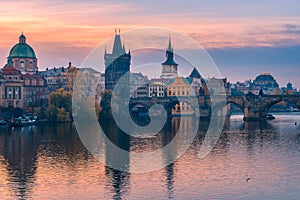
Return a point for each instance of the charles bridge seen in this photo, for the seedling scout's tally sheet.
(254, 107)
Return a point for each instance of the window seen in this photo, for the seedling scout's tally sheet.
(22, 64)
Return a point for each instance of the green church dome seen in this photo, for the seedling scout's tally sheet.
(22, 49)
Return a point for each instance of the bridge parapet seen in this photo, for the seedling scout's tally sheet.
(255, 107)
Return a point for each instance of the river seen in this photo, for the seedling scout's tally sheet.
(251, 160)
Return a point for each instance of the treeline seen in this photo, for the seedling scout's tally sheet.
(60, 106)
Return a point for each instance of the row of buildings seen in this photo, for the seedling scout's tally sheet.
(264, 83)
(117, 64)
(24, 85)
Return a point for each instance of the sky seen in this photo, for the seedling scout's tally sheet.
(244, 38)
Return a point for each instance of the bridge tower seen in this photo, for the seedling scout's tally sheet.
(117, 63)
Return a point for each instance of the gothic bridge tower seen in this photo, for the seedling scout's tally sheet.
(117, 63)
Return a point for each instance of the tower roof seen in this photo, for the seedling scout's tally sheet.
(169, 55)
(117, 48)
(195, 73)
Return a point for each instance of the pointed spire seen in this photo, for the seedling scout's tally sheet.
(169, 54)
(105, 52)
(170, 45)
(117, 48)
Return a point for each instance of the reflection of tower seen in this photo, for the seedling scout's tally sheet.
(117, 63)
(169, 131)
(169, 67)
(118, 180)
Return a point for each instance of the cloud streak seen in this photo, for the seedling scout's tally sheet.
(65, 30)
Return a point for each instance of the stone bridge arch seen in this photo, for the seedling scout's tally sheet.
(192, 101)
(268, 103)
(273, 100)
(238, 101)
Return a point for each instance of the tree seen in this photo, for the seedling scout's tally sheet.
(106, 104)
(60, 106)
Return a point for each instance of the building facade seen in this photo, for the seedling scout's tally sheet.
(55, 78)
(22, 86)
(12, 86)
(267, 83)
(156, 89)
(180, 87)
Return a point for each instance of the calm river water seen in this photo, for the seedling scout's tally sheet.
(48, 161)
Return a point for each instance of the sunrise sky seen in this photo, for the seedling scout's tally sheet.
(244, 38)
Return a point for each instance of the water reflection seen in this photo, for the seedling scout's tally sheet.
(117, 181)
(49, 161)
(18, 148)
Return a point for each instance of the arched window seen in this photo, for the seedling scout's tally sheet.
(22, 64)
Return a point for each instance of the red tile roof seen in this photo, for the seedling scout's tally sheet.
(9, 70)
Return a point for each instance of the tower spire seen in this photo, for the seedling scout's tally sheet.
(170, 45)
(117, 48)
(169, 54)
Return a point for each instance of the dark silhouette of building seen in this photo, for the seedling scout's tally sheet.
(169, 67)
(117, 63)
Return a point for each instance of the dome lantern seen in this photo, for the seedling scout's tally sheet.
(22, 38)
